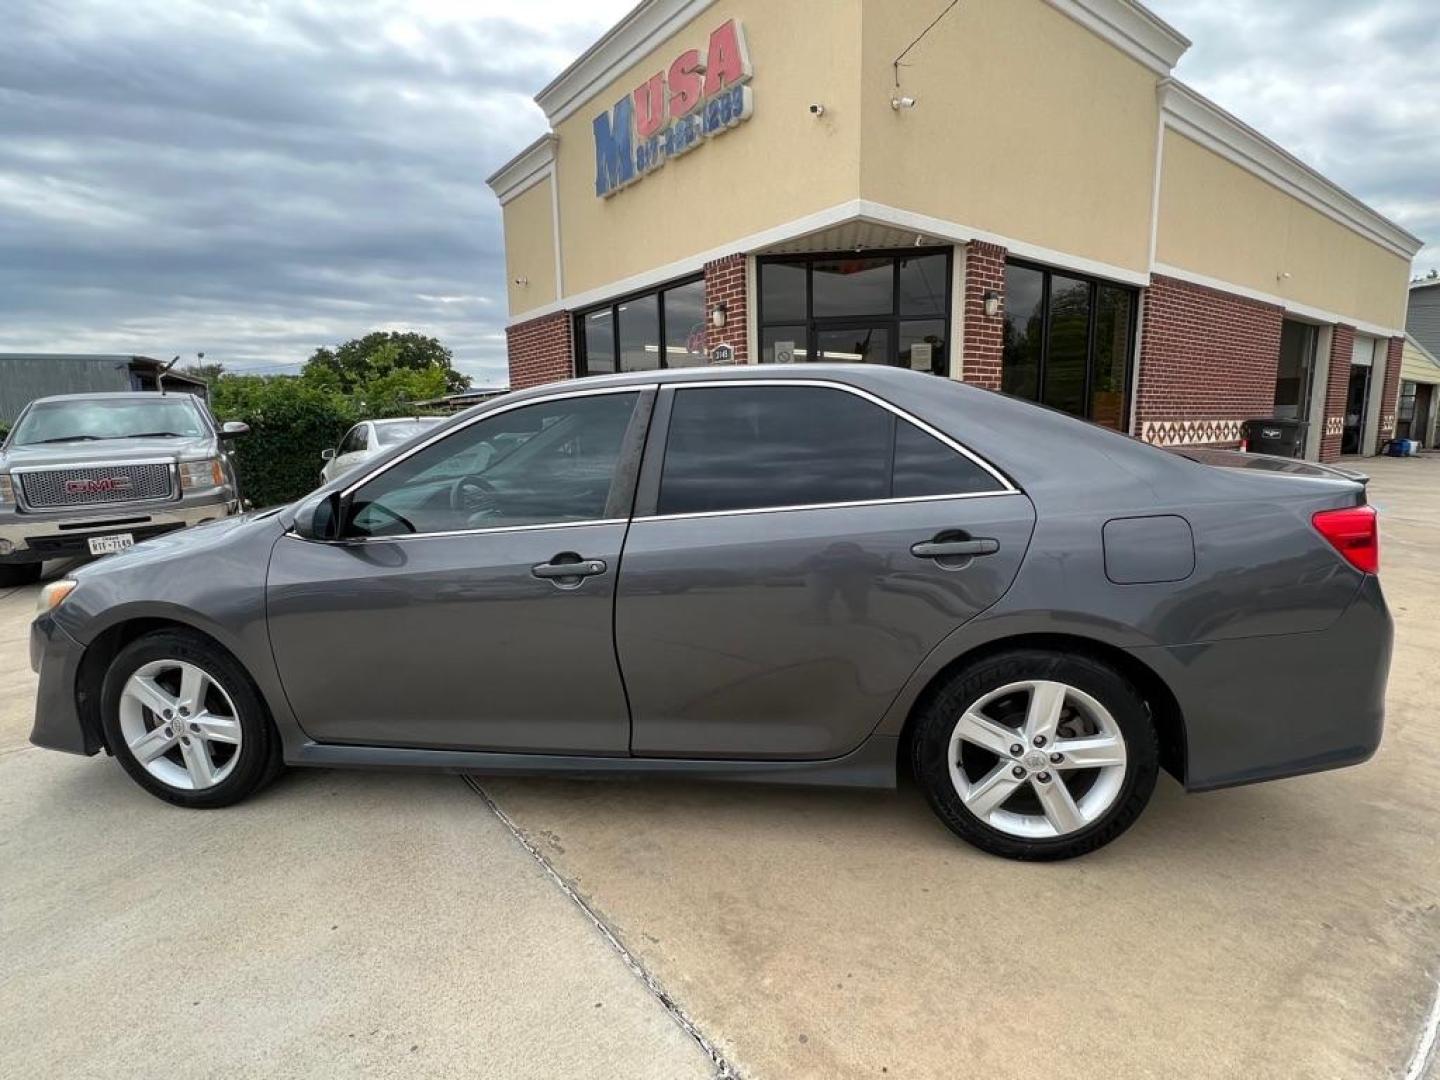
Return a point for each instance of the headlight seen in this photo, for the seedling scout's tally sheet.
(52, 595)
(7, 490)
(201, 474)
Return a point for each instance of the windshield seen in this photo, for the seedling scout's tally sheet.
(85, 419)
(390, 434)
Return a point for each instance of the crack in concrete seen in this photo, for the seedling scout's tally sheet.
(723, 1069)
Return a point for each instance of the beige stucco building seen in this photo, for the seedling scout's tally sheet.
(760, 181)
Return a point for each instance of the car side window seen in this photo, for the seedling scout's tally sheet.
(548, 463)
(926, 466)
(745, 448)
(350, 443)
(750, 448)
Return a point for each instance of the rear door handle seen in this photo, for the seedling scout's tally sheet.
(576, 568)
(952, 549)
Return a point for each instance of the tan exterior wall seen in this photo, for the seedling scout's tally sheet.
(1026, 125)
(1218, 220)
(779, 165)
(530, 249)
(1416, 368)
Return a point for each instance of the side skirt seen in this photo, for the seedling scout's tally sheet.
(871, 765)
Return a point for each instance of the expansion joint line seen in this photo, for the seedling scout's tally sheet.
(723, 1069)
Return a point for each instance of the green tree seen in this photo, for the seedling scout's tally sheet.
(209, 372)
(348, 368)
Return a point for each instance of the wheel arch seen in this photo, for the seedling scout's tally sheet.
(1165, 711)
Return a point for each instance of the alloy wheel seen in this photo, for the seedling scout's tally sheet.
(1037, 759)
(180, 724)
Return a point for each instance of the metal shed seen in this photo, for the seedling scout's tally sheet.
(27, 376)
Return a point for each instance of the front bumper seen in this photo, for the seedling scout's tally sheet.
(1262, 708)
(55, 657)
(31, 538)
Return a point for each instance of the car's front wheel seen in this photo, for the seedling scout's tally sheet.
(1035, 754)
(186, 722)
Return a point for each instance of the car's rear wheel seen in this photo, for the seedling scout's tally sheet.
(186, 722)
(19, 574)
(1034, 754)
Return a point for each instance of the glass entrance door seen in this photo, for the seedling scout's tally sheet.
(852, 343)
(1357, 402)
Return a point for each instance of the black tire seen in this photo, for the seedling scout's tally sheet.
(13, 574)
(259, 755)
(934, 724)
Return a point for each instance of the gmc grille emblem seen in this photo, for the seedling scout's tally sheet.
(101, 486)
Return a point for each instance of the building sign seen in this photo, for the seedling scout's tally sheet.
(675, 110)
(724, 353)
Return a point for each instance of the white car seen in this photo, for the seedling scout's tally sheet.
(368, 438)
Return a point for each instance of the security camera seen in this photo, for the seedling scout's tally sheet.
(816, 109)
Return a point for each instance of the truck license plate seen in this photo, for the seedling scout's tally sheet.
(104, 545)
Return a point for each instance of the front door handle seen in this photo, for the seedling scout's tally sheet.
(954, 549)
(568, 566)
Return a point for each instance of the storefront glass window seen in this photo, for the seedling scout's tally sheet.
(685, 325)
(1297, 366)
(889, 308)
(626, 335)
(639, 333)
(1068, 341)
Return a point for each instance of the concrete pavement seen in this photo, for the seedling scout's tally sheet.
(372, 924)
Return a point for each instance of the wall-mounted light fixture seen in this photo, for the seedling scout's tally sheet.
(992, 304)
(521, 282)
(897, 103)
(718, 313)
(1283, 275)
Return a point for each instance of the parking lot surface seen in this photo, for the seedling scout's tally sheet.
(371, 924)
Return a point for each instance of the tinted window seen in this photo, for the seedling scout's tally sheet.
(685, 325)
(1024, 329)
(853, 286)
(394, 434)
(1069, 344)
(639, 333)
(599, 342)
(926, 466)
(735, 448)
(924, 282)
(551, 462)
(783, 292)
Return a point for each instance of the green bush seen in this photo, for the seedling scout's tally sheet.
(291, 422)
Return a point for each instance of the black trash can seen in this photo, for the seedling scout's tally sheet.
(1283, 438)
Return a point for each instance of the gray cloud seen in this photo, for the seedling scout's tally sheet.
(257, 178)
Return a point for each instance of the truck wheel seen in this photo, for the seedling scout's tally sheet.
(19, 574)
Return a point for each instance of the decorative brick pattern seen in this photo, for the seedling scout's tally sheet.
(1390, 397)
(540, 350)
(1337, 391)
(983, 347)
(1190, 432)
(725, 283)
(1207, 361)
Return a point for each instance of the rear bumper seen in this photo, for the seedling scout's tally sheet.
(1263, 708)
(31, 539)
(55, 656)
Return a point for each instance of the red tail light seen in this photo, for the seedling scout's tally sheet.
(1355, 533)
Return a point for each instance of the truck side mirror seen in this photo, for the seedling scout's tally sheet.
(233, 429)
(327, 455)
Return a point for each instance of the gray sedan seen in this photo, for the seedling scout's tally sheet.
(817, 575)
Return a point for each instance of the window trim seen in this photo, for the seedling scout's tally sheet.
(639, 389)
(577, 332)
(647, 493)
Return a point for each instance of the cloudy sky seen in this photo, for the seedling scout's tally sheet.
(255, 178)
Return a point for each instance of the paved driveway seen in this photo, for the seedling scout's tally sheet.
(1284, 930)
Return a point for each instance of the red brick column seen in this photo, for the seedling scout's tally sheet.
(983, 347)
(540, 350)
(1207, 362)
(1390, 396)
(725, 283)
(1337, 391)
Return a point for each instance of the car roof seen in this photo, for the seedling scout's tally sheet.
(407, 420)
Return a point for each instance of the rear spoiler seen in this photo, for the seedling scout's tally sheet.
(1237, 459)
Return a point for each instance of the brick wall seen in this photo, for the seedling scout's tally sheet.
(1207, 362)
(1337, 391)
(540, 350)
(725, 283)
(1390, 397)
(984, 338)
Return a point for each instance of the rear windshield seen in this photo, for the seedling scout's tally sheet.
(89, 419)
(390, 434)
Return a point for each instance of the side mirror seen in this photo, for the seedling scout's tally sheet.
(319, 517)
(233, 429)
(327, 455)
